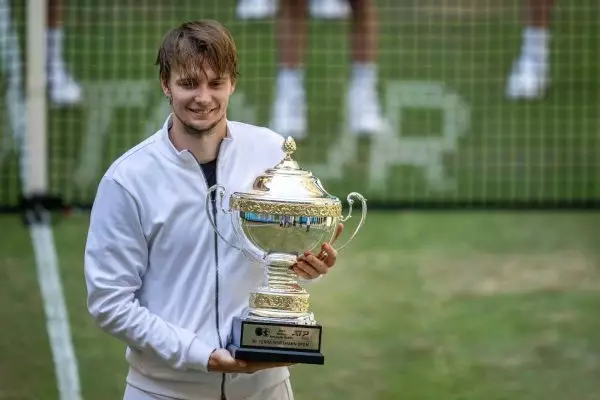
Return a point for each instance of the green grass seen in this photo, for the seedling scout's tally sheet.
(462, 306)
(511, 151)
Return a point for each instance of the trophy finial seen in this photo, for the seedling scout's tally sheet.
(289, 147)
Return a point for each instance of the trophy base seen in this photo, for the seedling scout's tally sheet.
(259, 340)
(271, 355)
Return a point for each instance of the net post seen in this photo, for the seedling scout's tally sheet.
(35, 188)
(37, 171)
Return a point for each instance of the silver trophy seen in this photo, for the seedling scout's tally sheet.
(285, 213)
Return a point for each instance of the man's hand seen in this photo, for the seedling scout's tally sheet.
(310, 266)
(222, 361)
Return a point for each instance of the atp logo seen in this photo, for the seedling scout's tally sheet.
(260, 331)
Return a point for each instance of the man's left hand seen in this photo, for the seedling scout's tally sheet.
(311, 266)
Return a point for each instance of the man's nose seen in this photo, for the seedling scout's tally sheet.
(202, 96)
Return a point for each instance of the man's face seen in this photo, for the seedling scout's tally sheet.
(199, 102)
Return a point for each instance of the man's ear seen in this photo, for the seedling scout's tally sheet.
(165, 88)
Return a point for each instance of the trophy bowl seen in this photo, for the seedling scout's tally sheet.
(285, 213)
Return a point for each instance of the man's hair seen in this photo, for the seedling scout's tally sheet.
(195, 46)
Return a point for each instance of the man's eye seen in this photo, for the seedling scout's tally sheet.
(188, 84)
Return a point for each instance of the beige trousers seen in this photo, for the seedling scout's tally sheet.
(282, 391)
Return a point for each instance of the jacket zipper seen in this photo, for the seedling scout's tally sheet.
(218, 325)
(213, 200)
(215, 236)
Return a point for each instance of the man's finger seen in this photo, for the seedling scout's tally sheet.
(324, 254)
(227, 358)
(338, 231)
(317, 264)
(227, 362)
(300, 272)
(331, 254)
(307, 271)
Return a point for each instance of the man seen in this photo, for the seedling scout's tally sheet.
(62, 88)
(323, 9)
(157, 276)
(289, 108)
(530, 75)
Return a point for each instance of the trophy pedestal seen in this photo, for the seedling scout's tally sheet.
(265, 341)
(277, 326)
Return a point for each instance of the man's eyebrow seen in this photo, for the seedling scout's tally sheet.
(187, 78)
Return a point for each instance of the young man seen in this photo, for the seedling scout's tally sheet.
(289, 108)
(157, 276)
(530, 75)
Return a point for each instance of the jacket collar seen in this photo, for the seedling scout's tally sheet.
(185, 156)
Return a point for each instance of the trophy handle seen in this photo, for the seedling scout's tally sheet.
(363, 215)
(220, 190)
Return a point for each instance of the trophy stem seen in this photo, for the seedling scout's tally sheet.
(281, 276)
(282, 298)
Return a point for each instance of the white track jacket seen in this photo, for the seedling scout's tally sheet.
(157, 275)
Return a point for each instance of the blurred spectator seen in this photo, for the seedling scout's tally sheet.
(289, 108)
(324, 9)
(62, 87)
(530, 75)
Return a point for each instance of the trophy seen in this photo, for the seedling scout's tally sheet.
(285, 213)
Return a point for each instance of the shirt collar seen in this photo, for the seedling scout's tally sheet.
(184, 154)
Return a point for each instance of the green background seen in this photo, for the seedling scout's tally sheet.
(505, 151)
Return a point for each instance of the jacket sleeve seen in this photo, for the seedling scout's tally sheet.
(116, 257)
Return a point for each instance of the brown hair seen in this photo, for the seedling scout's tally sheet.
(194, 46)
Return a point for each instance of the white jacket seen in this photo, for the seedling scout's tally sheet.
(158, 278)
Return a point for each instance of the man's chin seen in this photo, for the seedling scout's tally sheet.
(200, 129)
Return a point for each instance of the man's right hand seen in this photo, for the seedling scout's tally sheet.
(222, 361)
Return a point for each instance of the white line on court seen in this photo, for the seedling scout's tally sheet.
(57, 320)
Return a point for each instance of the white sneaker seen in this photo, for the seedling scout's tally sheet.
(256, 9)
(527, 80)
(62, 87)
(330, 9)
(364, 110)
(289, 115)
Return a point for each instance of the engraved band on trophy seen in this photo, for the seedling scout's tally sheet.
(286, 212)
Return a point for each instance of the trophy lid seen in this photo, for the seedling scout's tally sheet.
(287, 189)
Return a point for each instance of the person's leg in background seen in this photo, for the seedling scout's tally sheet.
(62, 87)
(288, 117)
(529, 77)
(289, 108)
(364, 111)
(321, 9)
(256, 9)
(329, 9)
